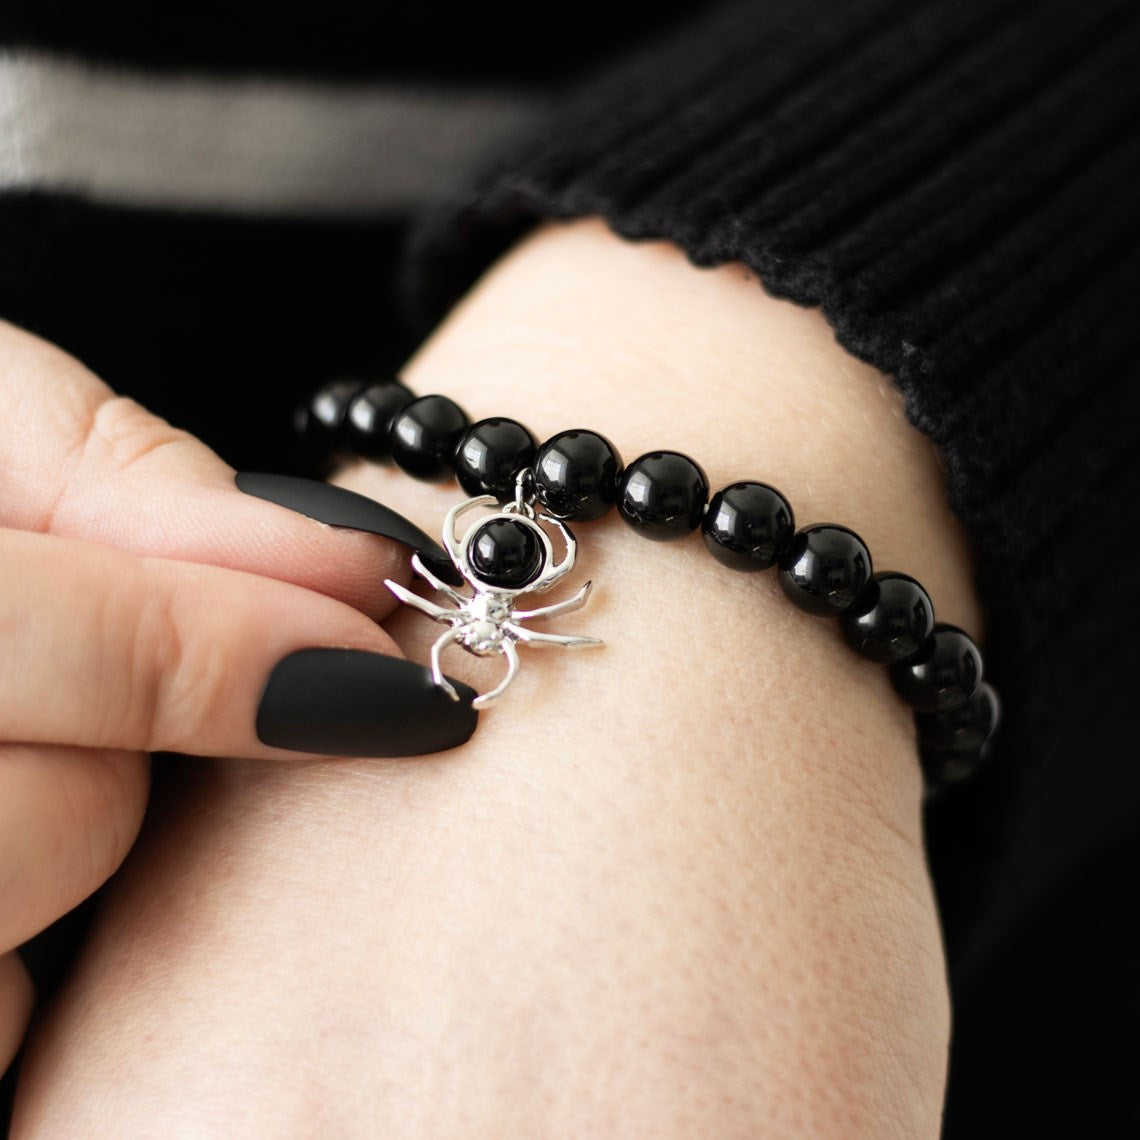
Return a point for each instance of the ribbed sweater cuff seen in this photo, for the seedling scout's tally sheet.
(952, 183)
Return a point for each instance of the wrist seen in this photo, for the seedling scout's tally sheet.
(576, 328)
(664, 883)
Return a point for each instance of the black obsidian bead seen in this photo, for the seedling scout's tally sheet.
(662, 495)
(321, 419)
(891, 619)
(748, 526)
(489, 453)
(943, 674)
(824, 569)
(576, 475)
(423, 436)
(506, 553)
(962, 729)
(941, 770)
(370, 415)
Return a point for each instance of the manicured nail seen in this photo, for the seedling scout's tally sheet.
(348, 702)
(338, 507)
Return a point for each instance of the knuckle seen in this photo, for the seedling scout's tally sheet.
(140, 622)
(115, 432)
(158, 654)
(170, 679)
(123, 433)
(181, 677)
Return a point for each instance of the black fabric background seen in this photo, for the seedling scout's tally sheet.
(1017, 354)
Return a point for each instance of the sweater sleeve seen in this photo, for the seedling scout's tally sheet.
(954, 185)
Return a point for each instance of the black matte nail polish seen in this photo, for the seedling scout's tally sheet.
(338, 507)
(348, 702)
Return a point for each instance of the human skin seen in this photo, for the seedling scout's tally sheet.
(138, 612)
(672, 887)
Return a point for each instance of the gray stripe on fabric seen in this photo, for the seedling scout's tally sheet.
(242, 145)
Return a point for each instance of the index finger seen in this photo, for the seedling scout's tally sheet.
(91, 465)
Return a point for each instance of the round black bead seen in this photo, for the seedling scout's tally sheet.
(321, 419)
(943, 674)
(423, 436)
(576, 475)
(489, 453)
(662, 495)
(891, 620)
(748, 526)
(370, 416)
(824, 569)
(941, 770)
(962, 729)
(506, 553)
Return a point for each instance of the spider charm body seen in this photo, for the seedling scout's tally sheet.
(501, 557)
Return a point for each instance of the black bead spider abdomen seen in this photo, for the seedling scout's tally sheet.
(501, 558)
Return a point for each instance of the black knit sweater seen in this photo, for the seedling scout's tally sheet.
(953, 183)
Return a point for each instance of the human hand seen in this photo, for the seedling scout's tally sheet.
(673, 888)
(144, 601)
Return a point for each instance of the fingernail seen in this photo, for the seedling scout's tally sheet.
(338, 507)
(348, 702)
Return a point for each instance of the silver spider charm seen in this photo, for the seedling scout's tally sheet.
(501, 556)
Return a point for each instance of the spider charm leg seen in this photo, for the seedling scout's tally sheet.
(501, 556)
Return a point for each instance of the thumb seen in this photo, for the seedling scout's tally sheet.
(104, 649)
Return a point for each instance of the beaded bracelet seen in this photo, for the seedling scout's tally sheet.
(578, 476)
